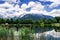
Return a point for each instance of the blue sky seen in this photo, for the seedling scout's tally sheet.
(27, 1)
(44, 3)
(13, 8)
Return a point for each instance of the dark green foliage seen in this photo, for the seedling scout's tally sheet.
(36, 23)
(58, 18)
(29, 21)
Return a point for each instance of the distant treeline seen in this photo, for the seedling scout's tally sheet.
(29, 21)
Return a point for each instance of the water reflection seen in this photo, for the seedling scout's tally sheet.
(49, 35)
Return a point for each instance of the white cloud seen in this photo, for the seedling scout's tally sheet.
(39, 9)
(55, 13)
(24, 6)
(36, 8)
(54, 4)
(31, 4)
(12, 2)
(6, 5)
(11, 11)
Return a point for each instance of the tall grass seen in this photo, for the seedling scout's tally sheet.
(11, 34)
(26, 34)
(8, 34)
(3, 34)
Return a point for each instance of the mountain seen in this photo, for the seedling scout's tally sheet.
(28, 16)
(36, 16)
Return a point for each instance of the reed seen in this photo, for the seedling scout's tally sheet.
(3, 33)
(25, 33)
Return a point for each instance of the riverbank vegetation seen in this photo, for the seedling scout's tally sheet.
(43, 23)
(26, 28)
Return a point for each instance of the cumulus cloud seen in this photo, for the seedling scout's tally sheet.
(36, 7)
(31, 4)
(55, 13)
(7, 10)
(6, 5)
(54, 4)
(12, 2)
(24, 6)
